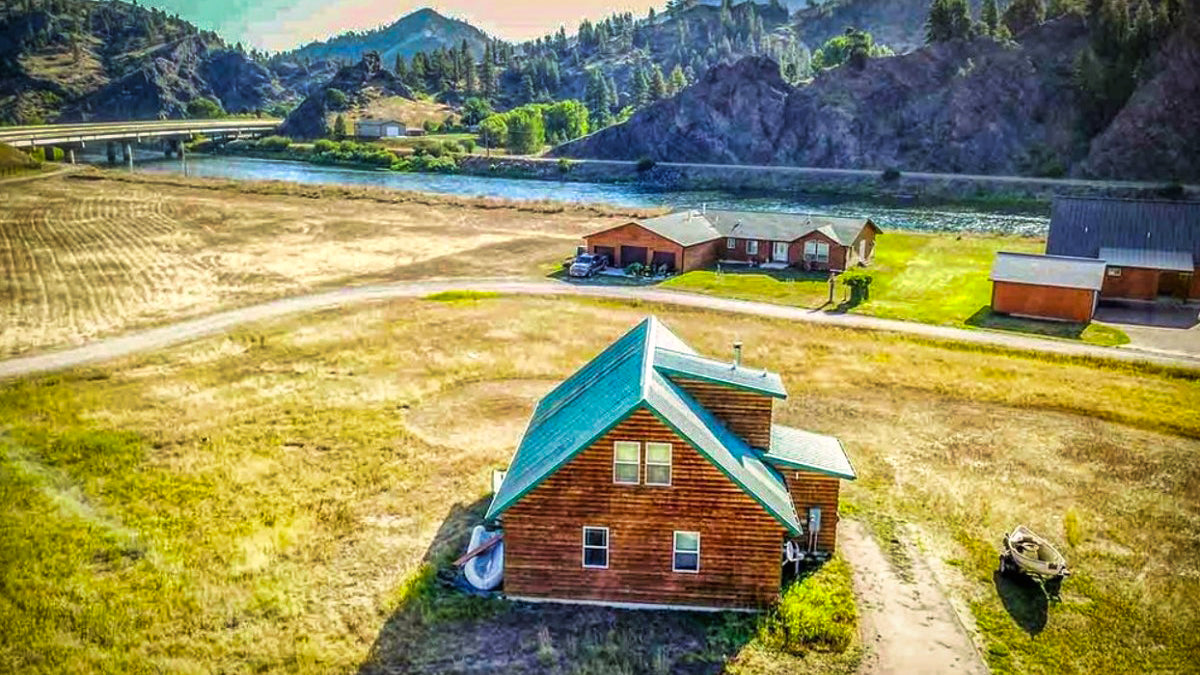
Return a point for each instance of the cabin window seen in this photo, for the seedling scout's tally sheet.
(816, 251)
(752, 246)
(658, 464)
(686, 556)
(627, 461)
(1114, 271)
(731, 243)
(595, 547)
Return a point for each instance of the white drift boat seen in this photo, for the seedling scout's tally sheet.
(483, 564)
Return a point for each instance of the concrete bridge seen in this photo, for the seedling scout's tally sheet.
(120, 136)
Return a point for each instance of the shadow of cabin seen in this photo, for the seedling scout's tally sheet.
(437, 627)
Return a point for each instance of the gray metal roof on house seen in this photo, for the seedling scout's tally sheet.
(1081, 227)
(785, 226)
(1148, 258)
(1048, 270)
(686, 228)
(800, 449)
(624, 378)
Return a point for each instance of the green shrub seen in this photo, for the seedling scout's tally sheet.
(634, 269)
(335, 99)
(1072, 528)
(274, 143)
(645, 164)
(816, 613)
(565, 165)
(431, 126)
(204, 109)
(891, 175)
(467, 144)
(324, 145)
(1172, 191)
(451, 147)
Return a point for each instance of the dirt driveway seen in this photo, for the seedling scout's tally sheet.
(908, 624)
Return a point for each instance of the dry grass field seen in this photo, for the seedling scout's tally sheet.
(271, 500)
(85, 256)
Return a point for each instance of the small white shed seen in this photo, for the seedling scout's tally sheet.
(374, 128)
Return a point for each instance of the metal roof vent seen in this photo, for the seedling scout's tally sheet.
(737, 355)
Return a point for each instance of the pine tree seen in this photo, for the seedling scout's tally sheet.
(989, 14)
(1022, 15)
(527, 91)
(658, 84)
(678, 80)
(639, 88)
(339, 127)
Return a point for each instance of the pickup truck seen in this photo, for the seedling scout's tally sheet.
(587, 264)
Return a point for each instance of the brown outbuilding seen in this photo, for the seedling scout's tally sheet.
(1055, 287)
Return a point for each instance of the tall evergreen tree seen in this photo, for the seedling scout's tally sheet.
(1022, 15)
(678, 80)
(639, 88)
(989, 15)
(658, 84)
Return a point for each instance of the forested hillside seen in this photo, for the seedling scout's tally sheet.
(78, 59)
(1107, 90)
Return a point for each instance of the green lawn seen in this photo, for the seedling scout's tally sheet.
(931, 278)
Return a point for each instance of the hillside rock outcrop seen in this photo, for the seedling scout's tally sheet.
(357, 84)
(981, 106)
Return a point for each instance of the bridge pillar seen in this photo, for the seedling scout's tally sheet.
(182, 146)
(128, 150)
(112, 152)
(69, 155)
(167, 148)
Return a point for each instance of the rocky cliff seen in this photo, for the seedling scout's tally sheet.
(355, 85)
(964, 107)
(76, 59)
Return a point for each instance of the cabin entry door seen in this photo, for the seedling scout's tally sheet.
(780, 251)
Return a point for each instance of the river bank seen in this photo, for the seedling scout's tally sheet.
(1028, 194)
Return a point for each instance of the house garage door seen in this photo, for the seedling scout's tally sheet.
(608, 252)
(663, 258)
(632, 254)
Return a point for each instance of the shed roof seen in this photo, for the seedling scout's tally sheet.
(626, 377)
(797, 448)
(1048, 270)
(1149, 258)
(1081, 226)
(372, 120)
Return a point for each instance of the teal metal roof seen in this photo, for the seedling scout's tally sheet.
(623, 378)
(711, 370)
(800, 449)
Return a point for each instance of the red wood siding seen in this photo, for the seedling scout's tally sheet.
(745, 413)
(1134, 283)
(632, 234)
(739, 251)
(837, 253)
(811, 489)
(1195, 294)
(740, 544)
(1050, 302)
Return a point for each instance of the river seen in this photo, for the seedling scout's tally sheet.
(886, 213)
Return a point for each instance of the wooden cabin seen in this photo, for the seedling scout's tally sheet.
(655, 477)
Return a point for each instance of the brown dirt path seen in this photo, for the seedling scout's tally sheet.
(908, 624)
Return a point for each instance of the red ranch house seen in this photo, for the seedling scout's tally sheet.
(689, 240)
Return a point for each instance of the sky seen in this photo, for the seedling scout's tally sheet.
(277, 25)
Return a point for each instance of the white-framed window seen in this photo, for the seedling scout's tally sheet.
(730, 243)
(752, 246)
(1114, 271)
(595, 547)
(658, 463)
(627, 460)
(817, 251)
(685, 556)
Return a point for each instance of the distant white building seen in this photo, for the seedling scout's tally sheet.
(373, 128)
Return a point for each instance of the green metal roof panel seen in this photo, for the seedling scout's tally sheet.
(711, 370)
(577, 412)
(723, 448)
(807, 450)
(608, 389)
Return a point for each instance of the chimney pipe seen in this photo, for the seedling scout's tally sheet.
(737, 354)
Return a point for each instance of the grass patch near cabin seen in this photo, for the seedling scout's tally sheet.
(462, 296)
(272, 499)
(929, 278)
